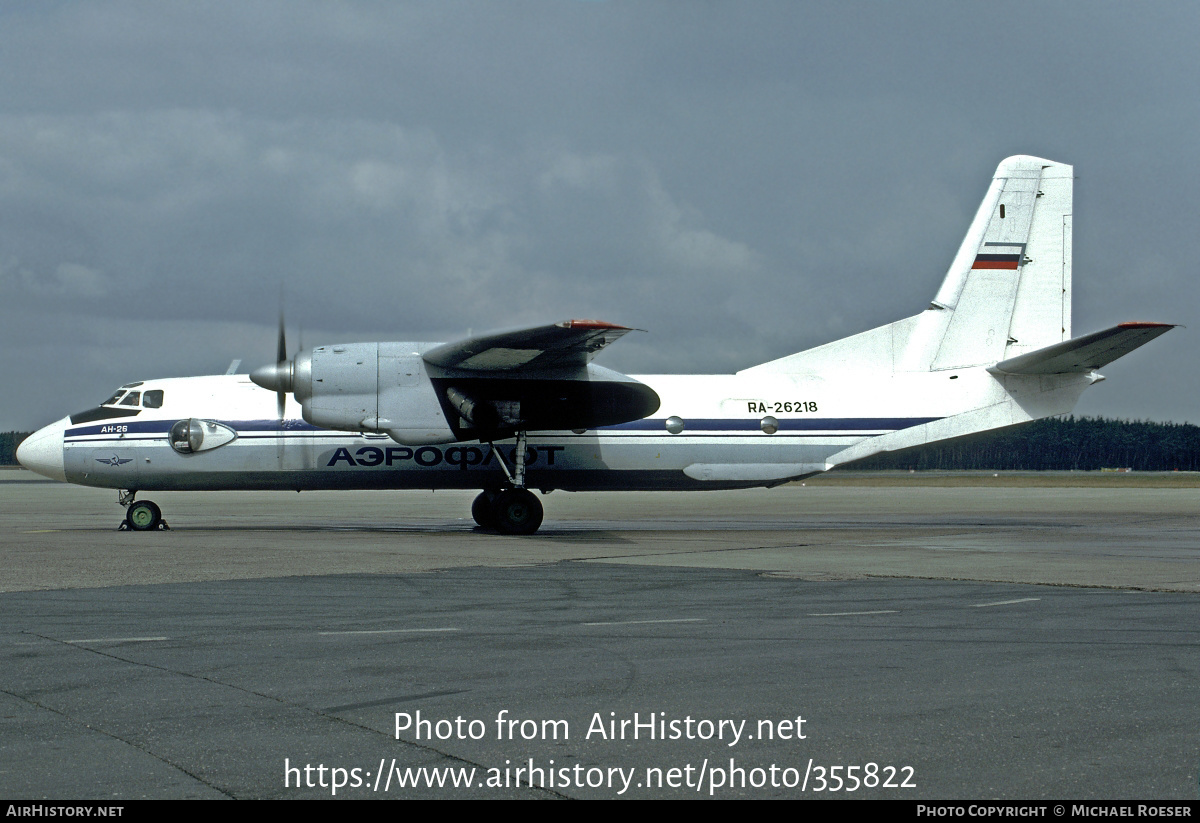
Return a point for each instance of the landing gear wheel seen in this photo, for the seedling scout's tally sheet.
(143, 516)
(481, 510)
(516, 511)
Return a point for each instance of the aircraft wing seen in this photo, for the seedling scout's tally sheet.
(1084, 354)
(572, 343)
(537, 379)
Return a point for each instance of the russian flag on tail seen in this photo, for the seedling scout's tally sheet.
(996, 261)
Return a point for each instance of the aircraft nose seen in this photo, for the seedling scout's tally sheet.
(42, 451)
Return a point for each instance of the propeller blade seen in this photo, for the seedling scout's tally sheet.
(281, 346)
(280, 359)
(279, 376)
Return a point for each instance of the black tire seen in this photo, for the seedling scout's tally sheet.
(143, 516)
(517, 511)
(481, 510)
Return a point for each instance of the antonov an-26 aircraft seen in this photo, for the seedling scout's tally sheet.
(527, 409)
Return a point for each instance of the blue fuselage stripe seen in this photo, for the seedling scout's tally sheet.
(710, 427)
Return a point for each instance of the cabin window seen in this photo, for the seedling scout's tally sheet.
(112, 401)
(153, 399)
(132, 399)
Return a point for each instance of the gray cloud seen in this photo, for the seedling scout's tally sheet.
(742, 181)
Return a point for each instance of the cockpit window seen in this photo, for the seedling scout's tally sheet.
(112, 401)
(132, 399)
(153, 399)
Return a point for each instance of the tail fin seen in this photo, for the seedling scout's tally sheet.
(1007, 293)
(1008, 290)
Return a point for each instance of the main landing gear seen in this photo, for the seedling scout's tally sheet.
(508, 511)
(512, 509)
(142, 516)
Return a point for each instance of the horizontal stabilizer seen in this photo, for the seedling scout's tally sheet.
(1084, 354)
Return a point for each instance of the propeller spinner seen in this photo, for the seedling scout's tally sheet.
(279, 377)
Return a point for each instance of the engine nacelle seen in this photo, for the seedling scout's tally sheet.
(380, 387)
(390, 387)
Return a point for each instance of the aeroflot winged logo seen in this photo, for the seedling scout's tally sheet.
(114, 460)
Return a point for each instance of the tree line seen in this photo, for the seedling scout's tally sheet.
(1059, 444)
(8, 447)
(1054, 444)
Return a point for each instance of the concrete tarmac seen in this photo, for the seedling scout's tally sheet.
(977, 640)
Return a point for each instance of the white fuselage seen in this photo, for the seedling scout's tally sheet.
(712, 431)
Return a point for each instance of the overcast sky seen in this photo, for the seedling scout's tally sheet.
(741, 179)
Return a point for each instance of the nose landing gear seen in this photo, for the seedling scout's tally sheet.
(142, 516)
